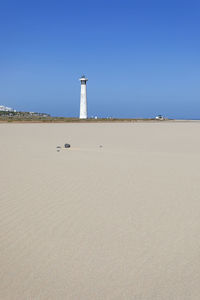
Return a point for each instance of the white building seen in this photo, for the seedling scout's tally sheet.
(5, 108)
(83, 98)
(159, 117)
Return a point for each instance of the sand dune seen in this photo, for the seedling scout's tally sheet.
(117, 222)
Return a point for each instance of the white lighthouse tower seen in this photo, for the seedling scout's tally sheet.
(83, 98)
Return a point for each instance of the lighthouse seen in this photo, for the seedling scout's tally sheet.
(83, 98)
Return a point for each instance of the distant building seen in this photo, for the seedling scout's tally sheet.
(8, 111)
(5, 108)
(159, 117)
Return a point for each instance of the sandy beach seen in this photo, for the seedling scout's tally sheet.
(121, 221)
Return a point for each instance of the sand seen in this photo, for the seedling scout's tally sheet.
(117, 222)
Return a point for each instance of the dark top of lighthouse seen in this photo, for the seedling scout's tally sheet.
(83, 79)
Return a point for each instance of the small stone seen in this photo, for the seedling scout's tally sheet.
(67, 146)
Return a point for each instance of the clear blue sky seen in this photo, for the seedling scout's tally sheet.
(142, 57)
